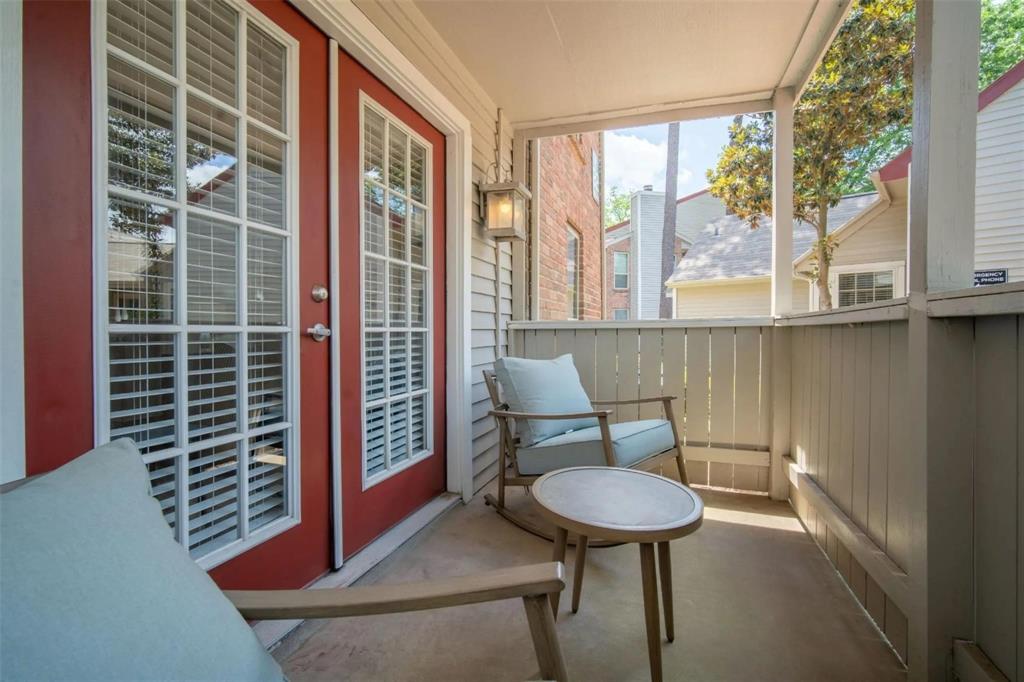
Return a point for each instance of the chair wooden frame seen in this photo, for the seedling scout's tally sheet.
(508, 442)
(535, 584)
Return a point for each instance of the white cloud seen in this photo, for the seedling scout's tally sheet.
(632, 162)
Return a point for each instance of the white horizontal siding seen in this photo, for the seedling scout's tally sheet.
(406, 27)
(999, 199)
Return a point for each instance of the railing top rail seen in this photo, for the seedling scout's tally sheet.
(881, 311)
(996, 299)
(527, 325)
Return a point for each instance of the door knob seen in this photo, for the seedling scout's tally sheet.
(319, 332)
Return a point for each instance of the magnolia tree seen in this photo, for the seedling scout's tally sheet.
(860, 92)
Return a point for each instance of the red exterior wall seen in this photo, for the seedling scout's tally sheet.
(57, 232)
(58, 272)
(566, 198)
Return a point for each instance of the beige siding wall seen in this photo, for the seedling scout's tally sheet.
(738, 299)
(409, 30)
(884, 239)
(999, 201)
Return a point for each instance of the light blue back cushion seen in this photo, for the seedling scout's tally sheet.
(93, 585)
(544, 387)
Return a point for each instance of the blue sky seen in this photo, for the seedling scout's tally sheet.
(635, 157)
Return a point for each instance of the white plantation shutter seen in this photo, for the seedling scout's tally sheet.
(199, 346)
(212, 157)
(396, 295)
(266, 379)
(212, 46)
(144, 29)
(212, 498)
(142, 389)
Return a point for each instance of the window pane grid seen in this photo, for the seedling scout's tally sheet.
(396, 294)
(198, 349)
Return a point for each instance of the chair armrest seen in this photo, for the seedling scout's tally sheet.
(635, 401)
(600, 414)
(506, 583)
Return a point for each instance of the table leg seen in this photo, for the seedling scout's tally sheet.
(577, 571)
(651, 616)
(561, 538)
(665, 571)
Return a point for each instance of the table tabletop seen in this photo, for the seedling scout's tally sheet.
(623, 505)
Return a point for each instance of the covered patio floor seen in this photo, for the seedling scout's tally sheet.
(755, 599)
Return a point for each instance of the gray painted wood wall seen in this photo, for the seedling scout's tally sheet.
(848, 429)
(999, 491)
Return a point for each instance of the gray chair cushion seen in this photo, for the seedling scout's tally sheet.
(543, 387)
(631, 442)
(93, 585)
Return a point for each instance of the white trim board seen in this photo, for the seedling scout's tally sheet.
(334, 246)
(360, 38)
(12, 335)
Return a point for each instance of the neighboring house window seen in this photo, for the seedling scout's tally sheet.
(196, 227)
(397, 400)
(620, 314)
(572, 272)
(595, 174)
(864, 287)
(620, 273)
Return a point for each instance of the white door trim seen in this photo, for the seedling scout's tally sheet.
(345, 23)
(334, 297)
(12, 335)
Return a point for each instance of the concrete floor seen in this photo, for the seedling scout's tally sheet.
(754, 598)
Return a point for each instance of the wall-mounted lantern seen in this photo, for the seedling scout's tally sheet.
(503, 205)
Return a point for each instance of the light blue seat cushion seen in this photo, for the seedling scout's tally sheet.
(543, 387)
(631, 442)
(93, 585)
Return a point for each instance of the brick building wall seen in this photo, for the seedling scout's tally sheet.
(619, 298)
(567, 201)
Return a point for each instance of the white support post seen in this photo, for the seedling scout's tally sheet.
(782, 203)
(940, 414)
(519, 251)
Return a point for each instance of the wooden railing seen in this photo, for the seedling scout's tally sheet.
(719, 369)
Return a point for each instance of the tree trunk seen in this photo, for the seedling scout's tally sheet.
(824, 294)
(668, 233)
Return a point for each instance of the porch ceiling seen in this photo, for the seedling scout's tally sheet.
(553, 64)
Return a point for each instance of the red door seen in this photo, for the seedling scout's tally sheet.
(392, 312)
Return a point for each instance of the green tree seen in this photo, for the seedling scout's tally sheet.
(1002, 38)
(861, 89)
(616, 207)
(1002, 47)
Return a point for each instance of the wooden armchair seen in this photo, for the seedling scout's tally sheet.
(533, 584)
(96, 588)
(513, 472)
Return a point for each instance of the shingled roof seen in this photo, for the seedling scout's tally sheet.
(727, 248)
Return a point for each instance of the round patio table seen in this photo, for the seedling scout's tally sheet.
(622, 505)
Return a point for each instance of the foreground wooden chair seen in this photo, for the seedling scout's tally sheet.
(534, 584)
(511, 471)
(96, 588)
